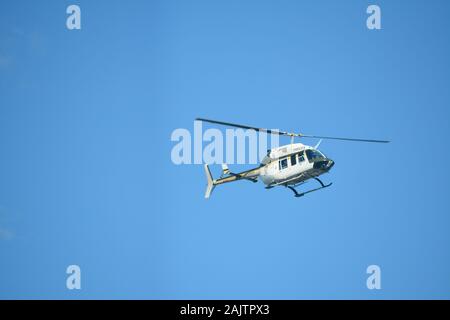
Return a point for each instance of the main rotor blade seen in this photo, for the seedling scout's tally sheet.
(270, 131)
(344, 139)
(284, 133)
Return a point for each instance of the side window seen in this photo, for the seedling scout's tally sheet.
(283, 164)
(293, 160)
(301, 157)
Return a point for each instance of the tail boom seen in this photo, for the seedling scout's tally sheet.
(251, 175)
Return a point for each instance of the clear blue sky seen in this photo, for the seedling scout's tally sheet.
(85, 170)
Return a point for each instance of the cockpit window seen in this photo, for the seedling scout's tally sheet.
(314, 155)
(301, 157)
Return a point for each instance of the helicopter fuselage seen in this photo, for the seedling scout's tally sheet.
(293, 165)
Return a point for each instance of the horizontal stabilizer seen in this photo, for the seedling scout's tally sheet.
(225, 169)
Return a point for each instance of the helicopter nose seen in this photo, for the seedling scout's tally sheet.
(324, 164)
(330, 164)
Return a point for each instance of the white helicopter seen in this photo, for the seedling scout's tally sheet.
(289, 165)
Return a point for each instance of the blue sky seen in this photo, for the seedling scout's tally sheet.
(86, 175)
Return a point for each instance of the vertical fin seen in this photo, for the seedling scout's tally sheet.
(210, 186)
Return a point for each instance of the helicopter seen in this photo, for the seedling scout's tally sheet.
(289, 165)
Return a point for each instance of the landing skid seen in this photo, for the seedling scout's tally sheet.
(309, 191)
